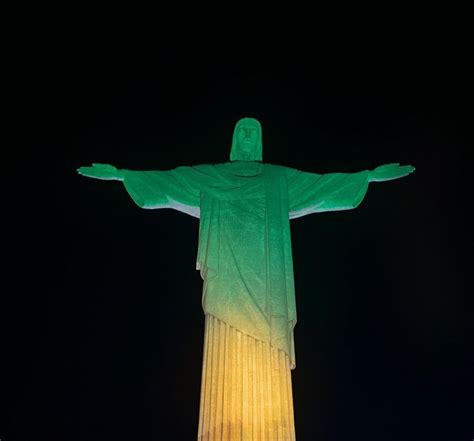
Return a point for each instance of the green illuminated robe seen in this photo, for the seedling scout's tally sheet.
(244, 253)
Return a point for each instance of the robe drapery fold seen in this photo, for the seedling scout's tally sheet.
(244, 251)
(246, 390)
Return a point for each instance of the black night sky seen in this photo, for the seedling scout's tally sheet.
(104, 322)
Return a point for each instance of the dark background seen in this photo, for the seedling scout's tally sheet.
(104, 330)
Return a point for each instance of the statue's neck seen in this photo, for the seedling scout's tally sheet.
(245, 168)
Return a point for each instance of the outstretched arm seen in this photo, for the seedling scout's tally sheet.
(313, 193)
(178, 188)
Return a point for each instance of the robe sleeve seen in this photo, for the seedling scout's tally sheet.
(179, 188)
(314, 193)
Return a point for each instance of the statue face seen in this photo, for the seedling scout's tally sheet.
(247, 141)
(247, 137)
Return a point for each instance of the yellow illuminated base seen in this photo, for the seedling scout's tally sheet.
(246, 388)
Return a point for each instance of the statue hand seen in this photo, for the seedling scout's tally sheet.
(102, 171)
(391, 171)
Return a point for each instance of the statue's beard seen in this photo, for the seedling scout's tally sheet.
(247, 154)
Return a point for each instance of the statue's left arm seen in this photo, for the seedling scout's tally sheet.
(314, 193)
(178, 188)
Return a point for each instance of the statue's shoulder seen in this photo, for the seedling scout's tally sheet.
(276, 169)
(207, 169)
(204, 167)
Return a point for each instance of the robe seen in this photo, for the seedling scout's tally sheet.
(244, 253)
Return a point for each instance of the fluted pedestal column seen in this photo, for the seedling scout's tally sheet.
(246, 391)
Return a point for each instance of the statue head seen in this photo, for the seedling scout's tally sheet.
(247, 141)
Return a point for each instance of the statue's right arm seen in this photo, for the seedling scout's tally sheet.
(102, 171)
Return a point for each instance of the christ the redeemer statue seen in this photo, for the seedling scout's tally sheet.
(244, 257)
